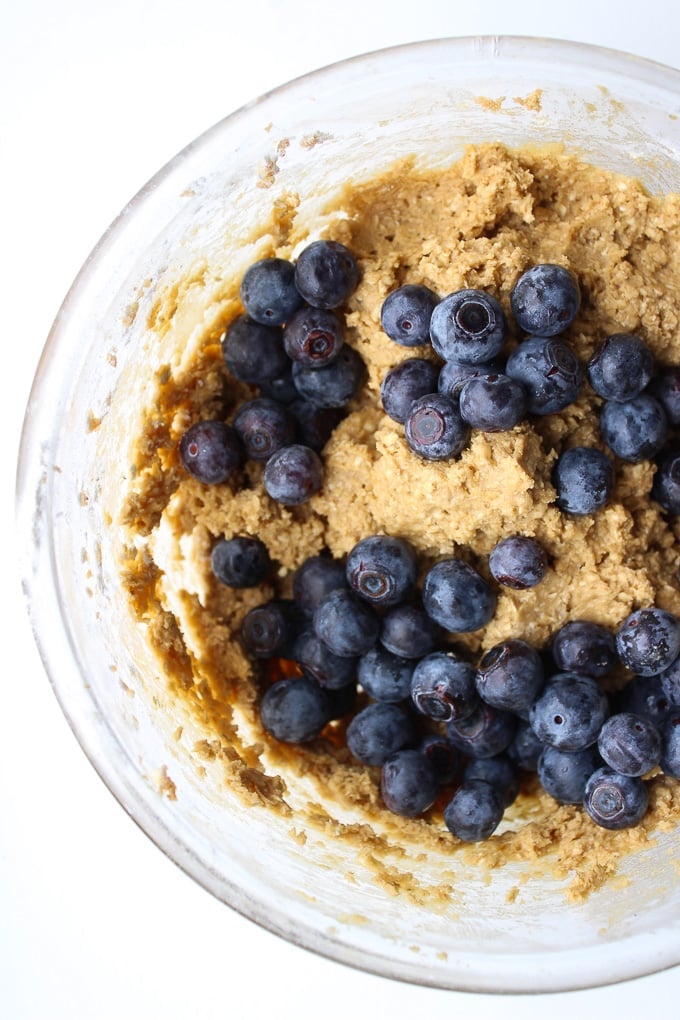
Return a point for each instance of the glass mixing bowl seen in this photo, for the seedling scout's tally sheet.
(345, 122)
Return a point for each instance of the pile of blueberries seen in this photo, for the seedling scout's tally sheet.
(477, 387)
(290, 342)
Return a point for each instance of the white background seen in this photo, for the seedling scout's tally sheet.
(94, 921)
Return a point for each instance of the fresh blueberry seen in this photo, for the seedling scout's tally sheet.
(581, 646)
(525, 747)
(282, 389)
(347, 624)
(634, 430)
(492, 403)
(406, 382)
(313, 337)
(454, 374)
(240, 562)
(468, 326)
(665, 386)
(434, 428)
(444, 757)
(670, 746)
(484, 733)
(569, 712)
(666, 485)
(630, 744)
(457, 597)
(648, 641)
(333, 385)
(294, 710)
(315, 659)
(293, 474)
(499, 771)
(408, 783)
(510, 675)
(210, 451)
(651, 696)
(443, 687)
(670, 682)
(268, 291)
(545, 300)
(621, 367)
(270, 630)
(264, 426)
(316, 578)
(378, 731)
(564, 774)
(475, 811)
(384, 676)
(326, 274)
(583, 478)
(549, 371)
(518, 562)
(614, 801)
(408, 631)
(406, 313)
(315, 425)
(254, 353)
(382, 569)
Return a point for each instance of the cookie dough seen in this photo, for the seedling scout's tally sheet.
(479, 223)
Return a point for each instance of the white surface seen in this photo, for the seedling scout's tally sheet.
(94, 921)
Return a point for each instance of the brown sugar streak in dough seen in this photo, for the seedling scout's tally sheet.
(477, 224)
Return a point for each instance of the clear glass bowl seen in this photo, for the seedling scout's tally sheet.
(344, 122)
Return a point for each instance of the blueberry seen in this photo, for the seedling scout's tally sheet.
(444, 758)
(518, 562)
(670, 746)
(484, 733)
(282, 389)
(583, 478)
(634, 430)
(492, 403)
(294, 710)
(468, 326)
(333, 385)
(569, 712)
(406, 382)
(630, 744)
(347, 624)
(564, 774)
(454, 374)
(326, 274)
(545, 300)
(293, 474)
(525, 747)
(581, 646)
(408, 783)
(254, 353)
(384, 676)
(614, 801)
(475, 811)
(456, 597)
(621, 367)
(406, 313)
(313, 337)
(378, 731)
(549, 371)
(648, 641)
(443, 687)
(270, 630)
(665, 386)
(666, 485)
(210, 451)
(670, 682)
(382, 569)
(315, 659)
(316, 578)
(650, 696)
(510, 675)
(434, 428)
(315, 425)
(240, 562)
(499, 771)
(264, 426)
(268, 291)
(408, 631)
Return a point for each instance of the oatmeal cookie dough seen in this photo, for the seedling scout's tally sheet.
(479, 224)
